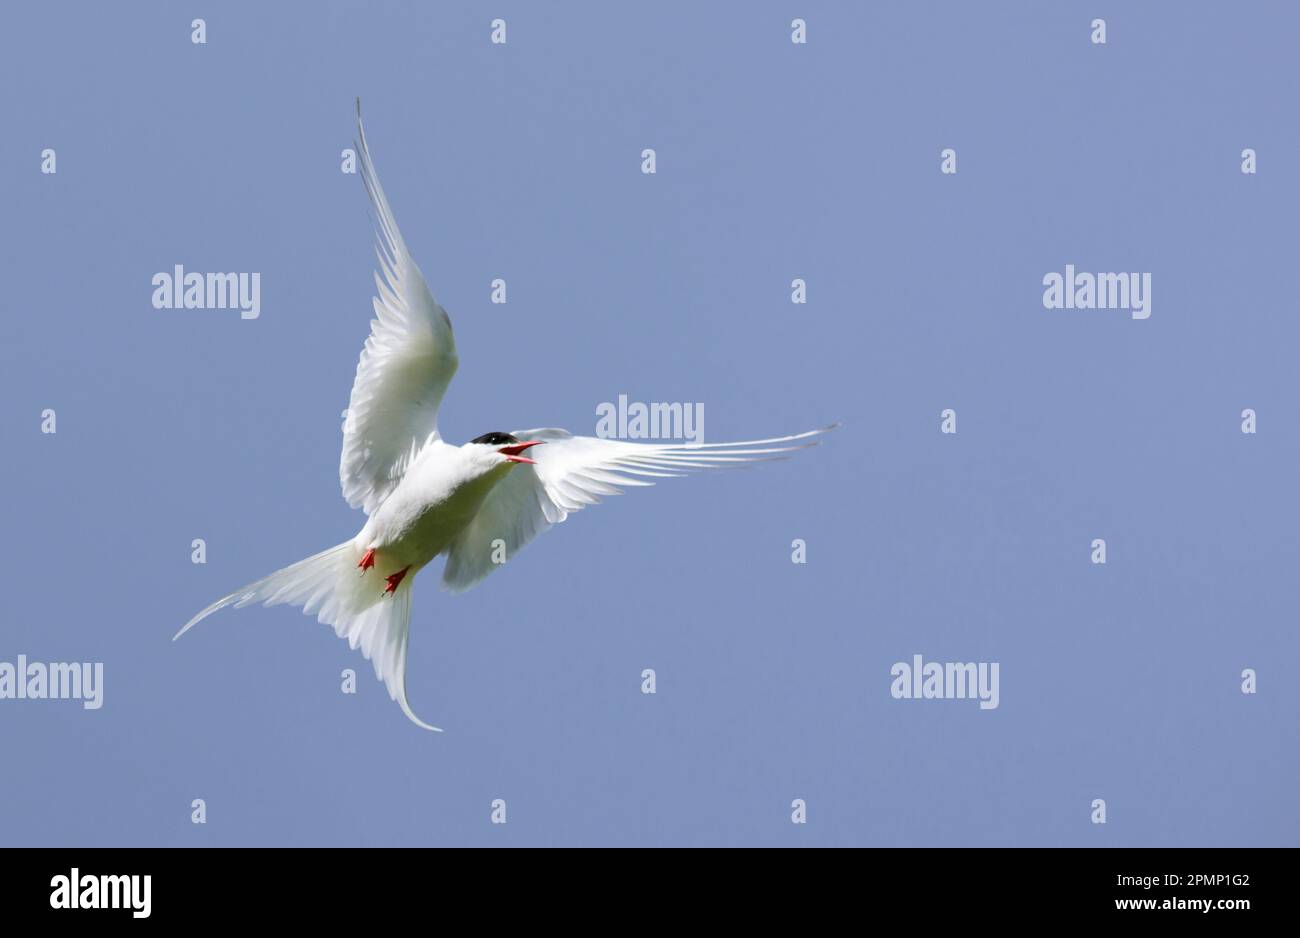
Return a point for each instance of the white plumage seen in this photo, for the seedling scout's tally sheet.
(426, 497)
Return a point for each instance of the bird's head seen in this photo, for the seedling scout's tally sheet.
(501, 446)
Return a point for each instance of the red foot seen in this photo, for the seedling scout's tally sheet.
(395, 578)
(368, 560)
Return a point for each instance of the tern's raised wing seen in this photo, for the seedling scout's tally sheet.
(406, 365)
(571, 473)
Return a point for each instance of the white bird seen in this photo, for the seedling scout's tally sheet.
(426, 497)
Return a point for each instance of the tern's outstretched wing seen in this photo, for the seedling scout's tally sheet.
(405, 367)
(571, 473)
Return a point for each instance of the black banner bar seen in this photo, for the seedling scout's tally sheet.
(336, 886)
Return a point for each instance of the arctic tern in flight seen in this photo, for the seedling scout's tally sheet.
(425, 497)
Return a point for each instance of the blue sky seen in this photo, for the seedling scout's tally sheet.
(775, 161)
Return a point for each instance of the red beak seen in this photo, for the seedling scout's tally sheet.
(512, 452)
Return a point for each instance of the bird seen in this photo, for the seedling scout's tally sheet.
(476, 504)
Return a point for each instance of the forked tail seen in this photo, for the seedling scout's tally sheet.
(333, 587)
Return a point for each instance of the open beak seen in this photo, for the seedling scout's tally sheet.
(512, 452)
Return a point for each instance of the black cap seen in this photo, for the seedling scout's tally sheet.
(495, 438)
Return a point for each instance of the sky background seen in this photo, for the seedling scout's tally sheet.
(775, 161)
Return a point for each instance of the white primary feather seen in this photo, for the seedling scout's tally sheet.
(572, 472)
(406, 365)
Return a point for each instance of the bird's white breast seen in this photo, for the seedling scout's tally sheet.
(439, 495)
